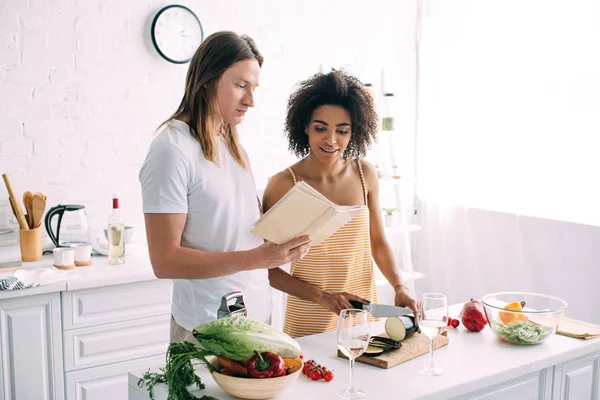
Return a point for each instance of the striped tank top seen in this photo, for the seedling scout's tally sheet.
(341, 263)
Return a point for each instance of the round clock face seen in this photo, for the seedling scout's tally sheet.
(176, 33)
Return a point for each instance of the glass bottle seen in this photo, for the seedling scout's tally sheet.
(116, 235)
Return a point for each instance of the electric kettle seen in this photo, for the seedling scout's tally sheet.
(71, 226)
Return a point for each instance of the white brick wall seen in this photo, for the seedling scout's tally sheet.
(82, 89)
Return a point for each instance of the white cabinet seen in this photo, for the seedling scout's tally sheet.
(111, 343)
(31, 359)
(111, 330)
(107, 382)
(577, 379)
(537, 386)
(116, 303)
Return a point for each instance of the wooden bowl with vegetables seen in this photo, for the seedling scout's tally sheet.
(252, 387)
(523, 317)
(246, 358)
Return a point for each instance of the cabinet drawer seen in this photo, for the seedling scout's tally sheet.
(107, 344)
(577, 379)
(536, 386)
(107, 382)
(105, 305)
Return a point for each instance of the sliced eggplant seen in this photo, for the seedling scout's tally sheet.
(385, 340)
(383, 346)
(400, 328)
(372, 351)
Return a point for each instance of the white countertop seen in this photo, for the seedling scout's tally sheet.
(137, 268)
(471, 361)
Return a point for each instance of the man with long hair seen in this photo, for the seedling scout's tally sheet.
(199, 195)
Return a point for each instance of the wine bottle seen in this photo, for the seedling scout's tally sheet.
(116, 235)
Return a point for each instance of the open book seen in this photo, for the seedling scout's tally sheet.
(303, 211)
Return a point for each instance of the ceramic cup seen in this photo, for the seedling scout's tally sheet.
(64, 257)
(83, 254)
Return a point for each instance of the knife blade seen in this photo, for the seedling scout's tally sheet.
(381, 310)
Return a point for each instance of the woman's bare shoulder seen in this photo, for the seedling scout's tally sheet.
(277, 186)
(369, 173)
(282, 178)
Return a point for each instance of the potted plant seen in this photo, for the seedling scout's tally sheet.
(389, 215)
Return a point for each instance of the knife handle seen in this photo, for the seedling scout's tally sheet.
(356, 304)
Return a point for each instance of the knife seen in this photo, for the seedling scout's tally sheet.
(381, 310)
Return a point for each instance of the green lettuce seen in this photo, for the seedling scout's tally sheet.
(238, 338)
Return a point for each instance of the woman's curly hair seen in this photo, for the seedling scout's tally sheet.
(335, 88)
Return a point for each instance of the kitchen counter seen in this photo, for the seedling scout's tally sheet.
(137, 268)
(475, 364)
(82, 336)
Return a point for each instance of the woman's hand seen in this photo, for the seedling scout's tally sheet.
(403, 298)
(338, 301)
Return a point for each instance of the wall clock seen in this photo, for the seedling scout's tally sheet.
(176, 33)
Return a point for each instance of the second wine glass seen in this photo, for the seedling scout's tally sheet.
(433, 312)
(353, 336)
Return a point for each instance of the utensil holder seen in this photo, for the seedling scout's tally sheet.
(30, 241)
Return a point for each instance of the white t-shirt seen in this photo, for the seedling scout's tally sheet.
(221, 207)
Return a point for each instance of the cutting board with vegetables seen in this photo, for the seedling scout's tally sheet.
(412, 347)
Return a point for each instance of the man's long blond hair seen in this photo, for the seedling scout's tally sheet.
(217, 52)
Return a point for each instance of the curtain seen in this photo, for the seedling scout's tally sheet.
(508, 114)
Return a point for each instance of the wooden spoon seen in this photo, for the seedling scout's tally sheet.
(15, 203)
(38, 208)
(28, 203)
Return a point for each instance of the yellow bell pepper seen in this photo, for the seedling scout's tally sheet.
(507, 318)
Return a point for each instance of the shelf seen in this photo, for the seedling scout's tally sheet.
(392, 230)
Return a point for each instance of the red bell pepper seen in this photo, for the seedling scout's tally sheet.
(266, 365)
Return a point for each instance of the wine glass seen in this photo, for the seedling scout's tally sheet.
(353, 336)
(433, 312)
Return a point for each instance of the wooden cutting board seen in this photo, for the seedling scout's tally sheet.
(413, 347)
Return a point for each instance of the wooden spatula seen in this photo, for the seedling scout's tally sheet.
(38, 208)
(28, 203)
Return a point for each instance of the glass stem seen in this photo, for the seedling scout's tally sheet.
(351, 383)
(430, 353)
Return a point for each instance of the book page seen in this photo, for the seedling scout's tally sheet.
(306, 188)
(289, 217)
(332, 222)
(303, 211)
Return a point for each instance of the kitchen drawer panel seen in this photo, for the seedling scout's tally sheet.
(536, 386)
(577, 379)
(95, 346)
(104, 305)
(106, 382)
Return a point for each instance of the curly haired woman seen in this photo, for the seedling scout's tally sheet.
(331, 122)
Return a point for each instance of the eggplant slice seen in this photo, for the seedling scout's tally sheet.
(400, 328)
(385, 340)
(372, 351)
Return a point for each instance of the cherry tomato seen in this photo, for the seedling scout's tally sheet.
(328, 376)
